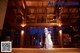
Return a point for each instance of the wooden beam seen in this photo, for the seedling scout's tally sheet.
(18, 7)
(43, 24)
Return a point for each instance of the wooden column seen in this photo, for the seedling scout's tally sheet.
(60, 35)
(22, 38)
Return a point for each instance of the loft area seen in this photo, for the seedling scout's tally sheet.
(41, 12)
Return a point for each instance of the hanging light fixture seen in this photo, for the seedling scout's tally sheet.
(23, 24)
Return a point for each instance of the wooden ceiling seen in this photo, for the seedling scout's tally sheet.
(40, 13)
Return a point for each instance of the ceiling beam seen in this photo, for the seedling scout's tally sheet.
(23, 3)
(44, 25)
(19, 8)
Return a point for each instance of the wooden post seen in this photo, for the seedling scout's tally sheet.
(60, 35)
(22, 38)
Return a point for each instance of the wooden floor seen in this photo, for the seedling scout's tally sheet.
(42, 50)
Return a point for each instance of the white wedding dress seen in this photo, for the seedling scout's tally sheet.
(48, 41)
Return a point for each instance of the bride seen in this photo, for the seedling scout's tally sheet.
(48, 41)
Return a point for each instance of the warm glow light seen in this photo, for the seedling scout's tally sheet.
(23, 25)
(59, 25)
(60, 32)
(54, 19)
(22, 32)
